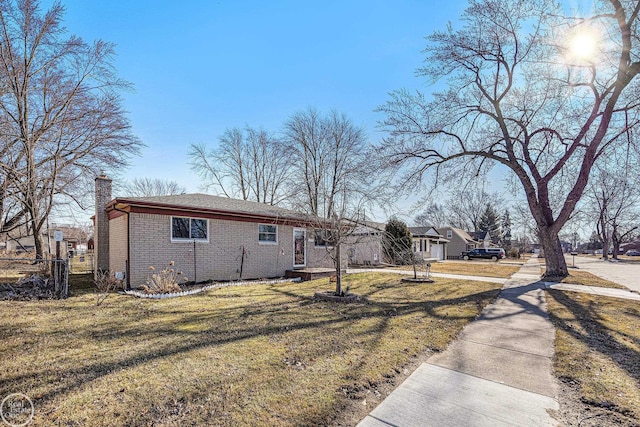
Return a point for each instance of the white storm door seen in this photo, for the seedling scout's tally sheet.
(299, 247)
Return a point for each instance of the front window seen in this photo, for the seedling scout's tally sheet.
(267, 233)
(189, 229)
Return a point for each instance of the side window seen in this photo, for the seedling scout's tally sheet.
(267, 233)
(325, 238)
(449, 234)
(179, 228)
(199, 229)
(189, 229)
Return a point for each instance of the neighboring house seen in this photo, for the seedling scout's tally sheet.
(364, 243)
(74, 237)
(428, 243)
(459, 241)
(566, 246)
(635, 245)
(483, 238)
(20, 244)
(208, 237)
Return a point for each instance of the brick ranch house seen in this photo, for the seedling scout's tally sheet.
(208, 237)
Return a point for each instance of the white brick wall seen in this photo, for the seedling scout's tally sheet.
(217, 259)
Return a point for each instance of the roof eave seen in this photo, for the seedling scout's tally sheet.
(124, 204)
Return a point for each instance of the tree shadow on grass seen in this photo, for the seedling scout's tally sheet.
(596, 335)
(250, 320)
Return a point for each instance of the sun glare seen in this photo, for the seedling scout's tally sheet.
(583, 45)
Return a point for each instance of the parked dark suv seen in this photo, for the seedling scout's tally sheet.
(490, 253)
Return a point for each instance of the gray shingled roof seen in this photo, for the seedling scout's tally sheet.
(461, 233)
(422, 231)
(217, 203)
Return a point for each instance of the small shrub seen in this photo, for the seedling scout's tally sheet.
(165, 281)
(106, 283)
(514, 253)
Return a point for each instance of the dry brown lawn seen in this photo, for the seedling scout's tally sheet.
(256, 355)
(484, 269)
(579, 277)
(473, 268)
(597, 358)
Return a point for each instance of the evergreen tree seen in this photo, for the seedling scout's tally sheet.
(490, 222)
(505, 230)
(397, 241)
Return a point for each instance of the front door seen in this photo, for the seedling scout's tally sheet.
(436, 251)
(299, 247)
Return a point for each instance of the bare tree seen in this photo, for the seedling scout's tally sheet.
(467, 205)
(329, 162)
(60, 112)
(518, 98)
(615, 201)
(462, 209)
(347, 226)
(146, 187)
(249, 164)
(434, 215)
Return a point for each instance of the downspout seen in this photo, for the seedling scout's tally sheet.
(128, 261)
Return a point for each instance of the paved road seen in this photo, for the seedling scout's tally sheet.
(625, 274)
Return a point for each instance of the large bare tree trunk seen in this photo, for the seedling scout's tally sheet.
(553, 255)
(39, 245)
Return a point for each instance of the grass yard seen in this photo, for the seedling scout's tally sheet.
(258, 355)
(598, 355)
(474, 268)
(484, 269)
(579, 277)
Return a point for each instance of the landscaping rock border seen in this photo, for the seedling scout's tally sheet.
(141, 294)
(331, 297)
(416, 280)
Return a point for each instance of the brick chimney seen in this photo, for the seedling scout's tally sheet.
(101, 228)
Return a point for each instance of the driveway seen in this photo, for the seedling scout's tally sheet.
(625, 274)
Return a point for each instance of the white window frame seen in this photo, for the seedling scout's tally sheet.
(449, 234)
(189, 239)
(267, 242)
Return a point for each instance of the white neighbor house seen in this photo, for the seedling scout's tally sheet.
(428, 243)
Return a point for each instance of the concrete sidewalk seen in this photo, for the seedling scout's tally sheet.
(496, 373)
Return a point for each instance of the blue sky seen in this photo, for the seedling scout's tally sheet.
(199, 67)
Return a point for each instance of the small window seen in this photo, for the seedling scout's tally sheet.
(323, 238)
(267, 233)
(189, 229)
(449, 234)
